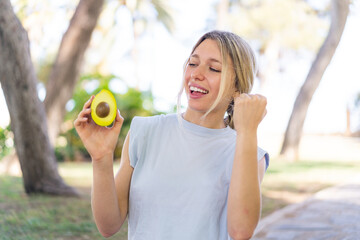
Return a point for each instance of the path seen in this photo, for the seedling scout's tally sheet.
(331, 214)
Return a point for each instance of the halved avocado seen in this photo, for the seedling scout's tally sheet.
(103, 108)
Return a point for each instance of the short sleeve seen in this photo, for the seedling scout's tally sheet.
(262, 153)
(135, 142)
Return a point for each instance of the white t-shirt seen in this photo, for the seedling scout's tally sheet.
(181, 178)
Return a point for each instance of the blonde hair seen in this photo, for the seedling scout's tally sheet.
(244, 68)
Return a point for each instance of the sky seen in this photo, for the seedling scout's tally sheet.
(161, 59)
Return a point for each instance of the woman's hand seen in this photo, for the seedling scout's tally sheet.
(99, 141)
(249, 110)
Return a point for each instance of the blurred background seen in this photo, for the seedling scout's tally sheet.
(137, 49)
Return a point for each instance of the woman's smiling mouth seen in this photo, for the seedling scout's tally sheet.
(196, 91)
(199, 90)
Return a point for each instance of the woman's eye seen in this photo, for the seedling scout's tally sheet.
(215, 70)
(192, 64)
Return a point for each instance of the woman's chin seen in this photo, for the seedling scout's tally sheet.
(196, 109)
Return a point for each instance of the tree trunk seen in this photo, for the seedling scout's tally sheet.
(27, 113)
(68, 63)
(270, 61)
(348, 122)
(339, 13)
(222, 15)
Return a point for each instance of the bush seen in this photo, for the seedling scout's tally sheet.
(6, 141)
(131, 104)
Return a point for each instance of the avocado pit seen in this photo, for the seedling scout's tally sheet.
(102, 109)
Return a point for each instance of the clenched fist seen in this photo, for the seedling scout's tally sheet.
(249, 111)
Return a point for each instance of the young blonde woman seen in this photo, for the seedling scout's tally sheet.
(191, 175)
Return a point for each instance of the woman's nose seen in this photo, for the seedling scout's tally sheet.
(198, 73)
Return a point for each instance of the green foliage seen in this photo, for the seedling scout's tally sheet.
(43, 68)
(294, 24)
(140, 10)
(132, 103)
(164, 14)
(6, 141)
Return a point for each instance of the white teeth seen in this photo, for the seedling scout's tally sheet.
(195, 89)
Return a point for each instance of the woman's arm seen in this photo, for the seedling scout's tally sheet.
(244, 199)
(110, 197)
(123, 179)
(100, 142)
(104, 201)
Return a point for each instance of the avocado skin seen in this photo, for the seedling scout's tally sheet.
(103, 108)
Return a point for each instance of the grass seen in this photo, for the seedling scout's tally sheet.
(47, 217)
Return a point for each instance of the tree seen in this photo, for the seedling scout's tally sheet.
(222, 14)
(356, 110)
(144, 14)
(275, 26)
(141, 21)
(339, 13)
(67, 67)
(27, 113)
(64, 75)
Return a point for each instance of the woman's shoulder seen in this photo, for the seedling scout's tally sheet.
(161, 118)
(152, 122)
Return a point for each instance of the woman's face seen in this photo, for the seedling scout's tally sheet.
(203, 77)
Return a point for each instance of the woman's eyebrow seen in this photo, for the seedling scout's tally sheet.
(194, 56)
(210, 59)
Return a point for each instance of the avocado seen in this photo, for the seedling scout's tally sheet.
(103, 108)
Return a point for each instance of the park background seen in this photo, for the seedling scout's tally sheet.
(138, 49)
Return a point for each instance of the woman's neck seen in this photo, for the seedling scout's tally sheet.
(212, 120)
